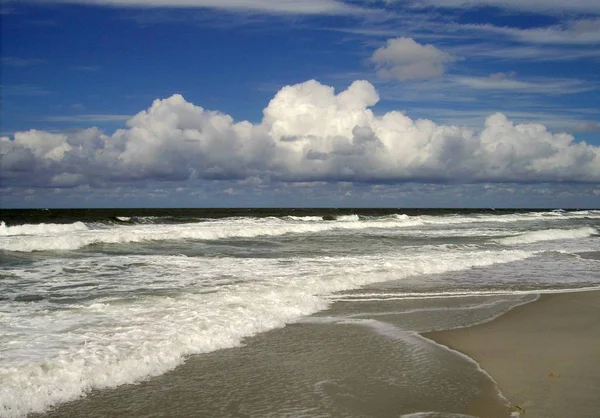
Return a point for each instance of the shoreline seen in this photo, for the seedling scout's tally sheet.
(303, 365)
(543, 355)
(334, 364)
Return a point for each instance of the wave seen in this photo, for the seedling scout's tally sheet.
(441, 219)
(123, 219)
(63, 238)
(329, 217)
(508, 218)
(548, 235)
(382, 297)
(434, 414)
(122, 230)
(41, 229)
(304, 218)
(348, 218)
(148, 336)
(454, 219)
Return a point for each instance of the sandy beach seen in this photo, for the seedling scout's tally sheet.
(545, 355)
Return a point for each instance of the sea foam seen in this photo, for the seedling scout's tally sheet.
(41, 229)
(549, 235)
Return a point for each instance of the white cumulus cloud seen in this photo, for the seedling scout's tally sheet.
(308, 133)
(406, 59)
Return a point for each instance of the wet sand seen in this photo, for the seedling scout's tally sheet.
(545, 355)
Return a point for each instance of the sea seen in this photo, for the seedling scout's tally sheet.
(267, 312)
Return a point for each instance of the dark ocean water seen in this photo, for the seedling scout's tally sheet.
(180, 215)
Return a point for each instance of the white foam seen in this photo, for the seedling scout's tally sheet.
(109, 343)
(507, 218)
(305, 218)
(586, 213)
(347, 218)
(549, 235)
(41, 229)
(380, 297)
(433, 414)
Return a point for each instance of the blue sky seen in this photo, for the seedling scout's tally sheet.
(420, 127)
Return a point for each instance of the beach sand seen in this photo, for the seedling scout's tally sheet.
(545, 355)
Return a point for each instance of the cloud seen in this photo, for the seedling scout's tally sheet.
(525, 52)
(406, 59)
(555, 119)
(573, 32)
(549, 6)
(297, 7)
(308, 133)
(587, 127)
(508, 82)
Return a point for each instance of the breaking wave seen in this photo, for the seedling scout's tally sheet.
(548, 235)
(61, 237)
(41, 229)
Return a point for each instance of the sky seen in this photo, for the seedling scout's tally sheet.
(300, 103)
